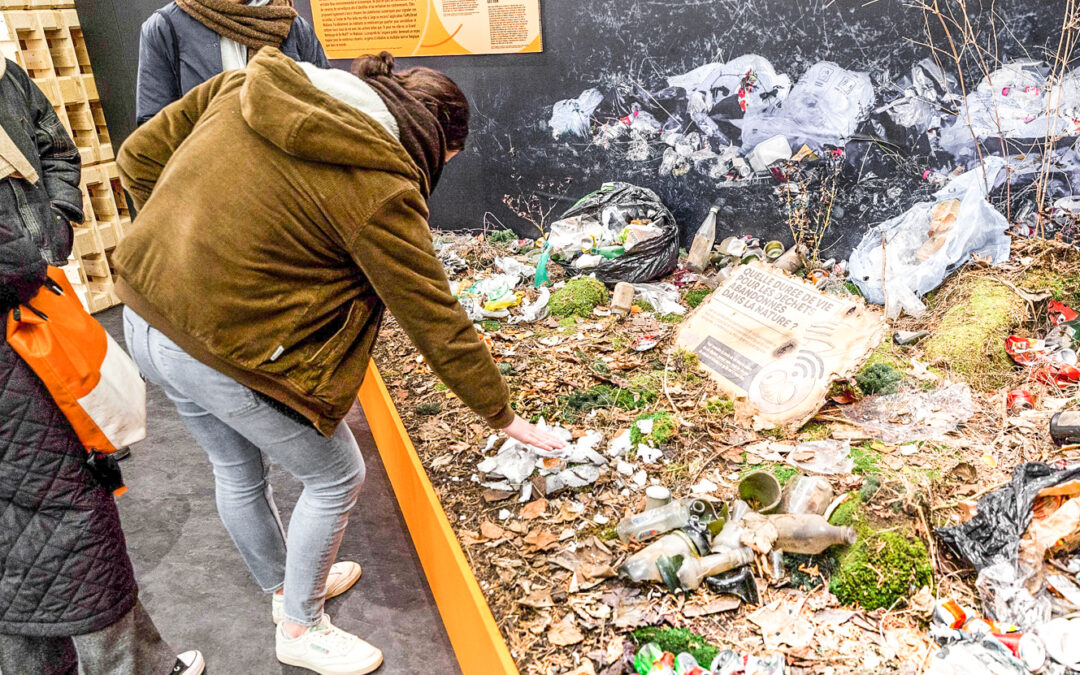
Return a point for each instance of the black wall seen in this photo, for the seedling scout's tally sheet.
(619, 46)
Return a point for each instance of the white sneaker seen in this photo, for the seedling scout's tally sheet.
(328, 650)
(189, 663)
(341, 578)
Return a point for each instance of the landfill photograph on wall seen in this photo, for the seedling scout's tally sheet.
(830, 425)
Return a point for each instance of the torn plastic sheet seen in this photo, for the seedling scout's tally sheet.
(824, 108)
(975, 655)
(720, 80)
(993, 534)
(976, 227)
(828, 458)
(924, 95)
(1013, 102)
(1006, 599)
(534, 310)
(576, 465)
(664, 297)
(573, 115)
(913, 416)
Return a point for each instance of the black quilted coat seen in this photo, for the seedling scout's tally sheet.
(64, 568)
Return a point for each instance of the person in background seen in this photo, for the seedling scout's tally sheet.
(68, 600)
(281, 209)
(187, 42)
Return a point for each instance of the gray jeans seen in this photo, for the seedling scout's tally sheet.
(131, 645)
(239, 431)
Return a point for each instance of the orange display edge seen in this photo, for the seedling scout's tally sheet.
(478, 645)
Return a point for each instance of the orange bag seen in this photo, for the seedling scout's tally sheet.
(93, 381)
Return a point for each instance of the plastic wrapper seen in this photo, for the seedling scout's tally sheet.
(1006, 599)
(976, 655)
(603, 215)
(824, 108)
(664, 297)
(976, 228)
(713, 80)
(925, 94)
(993, 534)
(1015, 101)
(829, 458)
(573, 115)
(913, 416)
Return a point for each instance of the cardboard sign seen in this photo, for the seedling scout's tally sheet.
(775, 343)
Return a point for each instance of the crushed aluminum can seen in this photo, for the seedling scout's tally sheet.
(1019, 400)
(1061, 313)
(1061, 375)
(1025, 351)
(950, 613)
(1027, 647)
(646, 343)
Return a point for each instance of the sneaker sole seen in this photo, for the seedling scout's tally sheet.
(300, 663)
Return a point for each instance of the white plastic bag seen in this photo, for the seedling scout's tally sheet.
(572, 116)
(979, 229)
(824, 108)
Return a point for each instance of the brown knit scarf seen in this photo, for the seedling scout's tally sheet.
(418, 128)
(255, 27)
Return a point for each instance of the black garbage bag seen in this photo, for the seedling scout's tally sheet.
(615, 205)
(993, 534)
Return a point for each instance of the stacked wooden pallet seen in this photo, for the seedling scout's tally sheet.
(44, 37)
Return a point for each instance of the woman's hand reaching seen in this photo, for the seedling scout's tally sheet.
(525, 432)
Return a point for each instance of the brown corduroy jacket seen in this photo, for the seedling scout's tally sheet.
(275, 223)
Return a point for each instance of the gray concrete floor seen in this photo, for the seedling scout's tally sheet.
(198, 590)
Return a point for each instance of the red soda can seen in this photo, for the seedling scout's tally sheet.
(950, 613)
(1019, 400)
(1027, 647)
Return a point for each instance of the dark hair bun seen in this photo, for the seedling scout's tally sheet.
(374, 66)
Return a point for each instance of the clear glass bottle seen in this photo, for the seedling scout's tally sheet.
(648, 524)
(704, 240)
(694, 570)
(642, 565)
(808, 533)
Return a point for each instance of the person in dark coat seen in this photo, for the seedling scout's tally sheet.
(187, 42)
(67, 590)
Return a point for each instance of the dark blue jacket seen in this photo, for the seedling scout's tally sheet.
(177, 54)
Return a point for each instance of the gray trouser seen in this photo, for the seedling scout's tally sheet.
(131, 646)
(239, 432)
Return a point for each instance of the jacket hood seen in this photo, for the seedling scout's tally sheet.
(280, 103)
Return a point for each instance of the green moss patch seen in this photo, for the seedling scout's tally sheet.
(490, 325)
(502, 237)
(601, 396)
(879, 378)
(970, 339)
(882, 567)
(1065, 289)
(720, 406)
(676, 641)
(815, 432)
(696, 297)
(663, 429)
(428, 409)
(578, 298)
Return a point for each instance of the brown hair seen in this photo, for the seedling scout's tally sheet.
(435, 90)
